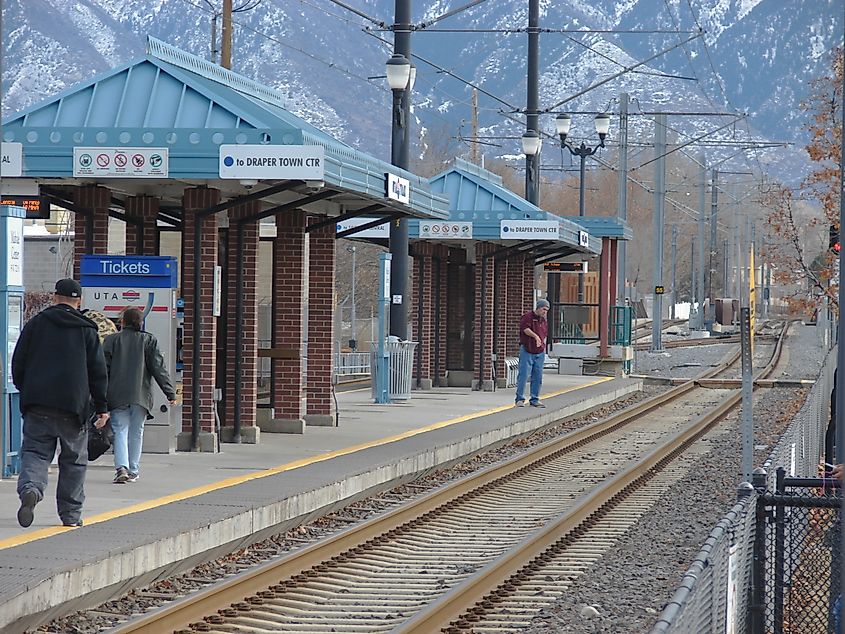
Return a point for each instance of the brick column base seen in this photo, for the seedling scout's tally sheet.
(423, 315)
(502, 321)
(142, 234)
(90, 228)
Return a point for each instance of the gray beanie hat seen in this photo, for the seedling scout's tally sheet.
(542, 303)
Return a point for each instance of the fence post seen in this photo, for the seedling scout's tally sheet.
(757, 600)
(780, 537)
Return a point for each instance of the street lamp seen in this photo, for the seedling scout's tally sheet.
(562, 123)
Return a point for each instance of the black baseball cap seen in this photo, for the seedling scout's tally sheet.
(68, 288)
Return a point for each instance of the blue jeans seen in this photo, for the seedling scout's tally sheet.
(128, 425)
(530, 365)
(40, 434)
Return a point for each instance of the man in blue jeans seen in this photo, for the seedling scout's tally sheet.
(533, 330)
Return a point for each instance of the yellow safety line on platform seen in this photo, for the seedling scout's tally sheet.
(222, 484)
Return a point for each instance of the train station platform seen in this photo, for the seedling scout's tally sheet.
(188, 508)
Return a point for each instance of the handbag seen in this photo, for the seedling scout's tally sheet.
(99, 440)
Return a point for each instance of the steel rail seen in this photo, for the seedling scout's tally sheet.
(450, 614)
(191, 609)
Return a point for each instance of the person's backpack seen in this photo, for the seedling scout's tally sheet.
(99, 440)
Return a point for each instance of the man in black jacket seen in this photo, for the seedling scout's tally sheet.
(59, 369)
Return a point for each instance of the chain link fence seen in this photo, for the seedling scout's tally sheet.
(715, 595)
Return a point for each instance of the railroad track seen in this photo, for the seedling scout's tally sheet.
(485, 554)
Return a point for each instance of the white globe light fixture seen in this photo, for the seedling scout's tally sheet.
(398, 71)
(531, 143)
(602, 126)
(563, 122)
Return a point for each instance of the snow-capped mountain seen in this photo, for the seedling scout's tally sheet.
(754, 56)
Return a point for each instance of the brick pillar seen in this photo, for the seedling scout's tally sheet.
(423, 314)
(92, 225)
(289, 262)
(440, 281)
(144, 209)
(503, 321)
(516, 303)
(320, 363)
(194, 200)
(248, 352)
(484, 298)
(528, 283)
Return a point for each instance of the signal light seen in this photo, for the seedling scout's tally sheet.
(833, 241)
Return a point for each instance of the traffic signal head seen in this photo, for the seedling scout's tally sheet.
(833, 242)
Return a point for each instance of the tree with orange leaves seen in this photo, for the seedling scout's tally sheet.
(797, 261)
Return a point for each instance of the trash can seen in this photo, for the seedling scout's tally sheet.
(401, 359)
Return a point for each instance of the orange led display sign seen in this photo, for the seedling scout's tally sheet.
(36, 206)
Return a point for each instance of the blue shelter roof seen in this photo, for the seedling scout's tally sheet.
(478, 196)
(172, 99)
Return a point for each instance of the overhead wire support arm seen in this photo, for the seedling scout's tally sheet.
(379, 23)
(691, 141)
(448, 14)
(626, 69)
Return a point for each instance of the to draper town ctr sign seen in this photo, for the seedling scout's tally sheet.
(278, 162)
(529, 230)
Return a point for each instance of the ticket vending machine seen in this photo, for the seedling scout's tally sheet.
(11, 322)
(113, 283)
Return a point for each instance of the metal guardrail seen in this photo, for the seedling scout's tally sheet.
(346, 363)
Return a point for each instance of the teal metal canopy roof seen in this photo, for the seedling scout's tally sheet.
(604, 226)
(478, 196)
(174, 100)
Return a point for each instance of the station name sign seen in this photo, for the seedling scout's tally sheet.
(397, 188)
(273, 162)
(11, 160)
(379, 231)
(120, 162)
(529, 230)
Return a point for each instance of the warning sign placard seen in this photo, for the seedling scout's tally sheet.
(124, 162)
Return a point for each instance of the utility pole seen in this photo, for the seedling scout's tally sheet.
(726, 264)
(622, 207)
(532, 161)
(674, 268)
(226, 45)
(702, 195)
(214, 50)
(659, 202)
(401, 153)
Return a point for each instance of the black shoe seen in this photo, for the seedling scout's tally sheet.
(537, 404)
(26, 513)
(121, 475)
(76, 523)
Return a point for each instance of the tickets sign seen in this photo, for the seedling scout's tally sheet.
(272, 162)
(529, 230)
(436, 230)
(122, 162)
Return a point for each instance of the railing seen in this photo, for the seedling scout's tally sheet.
(346, 363)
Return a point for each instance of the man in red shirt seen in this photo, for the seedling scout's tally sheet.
(533, 330)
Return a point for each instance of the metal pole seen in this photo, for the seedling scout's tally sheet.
(583, 156)
(714, 207)
(693, 277)
(659, 201)
(702, 191)
(400, 155)
(532, 162)
(725, 261)
(382, 363)
(622, 207)
(747, 395)
(674, 268)
(840, 351)
(354, 337)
